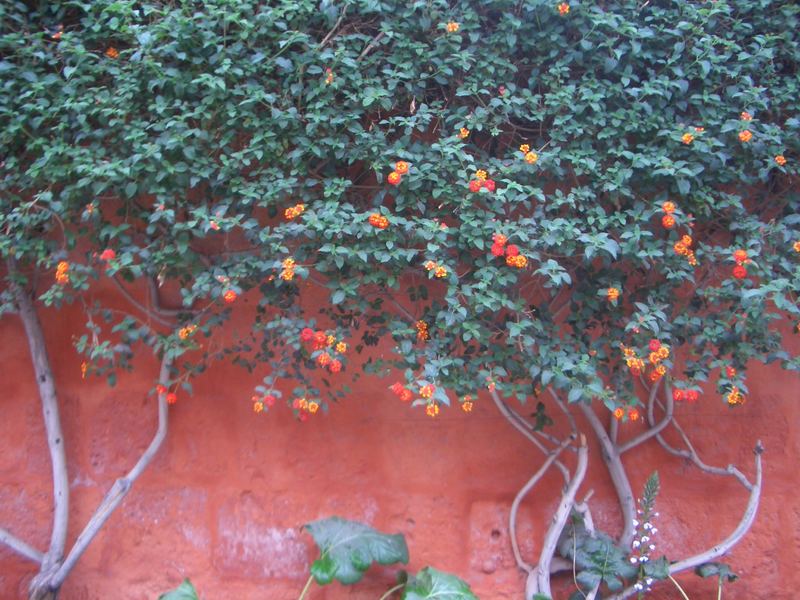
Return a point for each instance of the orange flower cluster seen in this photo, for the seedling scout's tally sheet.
(780, 160)
(287, 273)
(463, 133)
(734, 397)
(305, 407)
(185, 332)
(112, 52)
(62, 272)
(668, 221)
(745, 136)
(687, 138)
(321, 340)
(683, 247)
(401, 392)
(510, 251)
(294, 211)
(439, 271)
(396, 176)
(259, 403)
(746, 116)
(422, 331)
(633, 362)
(427, 391)
(530, 156)
(633, 413)
(612, 294)
(689, 395)
(328, 76)
(84, 368)
(378, 221)
(563, 9)
(740, 257)
(452, 27)
(481, 181)
(796, 246)
(466, 403)
(229, 296)
(432, 409)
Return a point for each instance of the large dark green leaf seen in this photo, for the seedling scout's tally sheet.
(184, 591)
(430, 583)
(348, 548)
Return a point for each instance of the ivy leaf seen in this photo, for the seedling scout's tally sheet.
(431, 583)
(184, 591)
(349, 548)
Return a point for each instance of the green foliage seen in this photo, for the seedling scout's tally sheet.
(177, 134)
(597, 558)
(430, 583)
(348, 549)
(185, 591)
(716, 569)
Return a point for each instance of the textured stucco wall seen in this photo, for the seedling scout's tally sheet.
(223, 501)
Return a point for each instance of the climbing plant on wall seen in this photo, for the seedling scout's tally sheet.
(587, 206)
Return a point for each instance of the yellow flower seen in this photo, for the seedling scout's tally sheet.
(745, 136)
(341, 347)
(563, 9)
(525, 148)
(452, 27)
(313, 407)
(481, 175)
(463, 133)
(687, 138)
(531, 157)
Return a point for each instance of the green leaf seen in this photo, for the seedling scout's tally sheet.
(715, 569)
(184, 591)
(431, 583)
(348, 548)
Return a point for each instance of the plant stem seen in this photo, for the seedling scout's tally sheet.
(391, 591)
(719, 589)
(677, 585)
(305, 588)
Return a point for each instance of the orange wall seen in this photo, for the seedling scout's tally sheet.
(224, 500)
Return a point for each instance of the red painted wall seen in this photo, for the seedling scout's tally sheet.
(224, 500)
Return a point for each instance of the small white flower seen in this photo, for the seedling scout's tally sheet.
(654, 531)
(634, 560)
(647, 526)
(655, 514)
(638, 587)
(644, 559)
(645, 539)
(635, 523)
(636, 543)
(652, 546)
(649, 580)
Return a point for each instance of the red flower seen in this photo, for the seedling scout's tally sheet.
(475, 185)
(498, 250)
(269, 400)
(108, 254)
(730, 372)
(654, 345)
(740, 256)
(320, 340)
(739, 272)
(172, 398)
(512, 250)
(335, 366)
(397, 388)
(668, 221)
(677, 395)
(489, 184)
(401, 167)
(160, 389)
(394, 178)
(307, 334)
(229, 296)
(406, 395)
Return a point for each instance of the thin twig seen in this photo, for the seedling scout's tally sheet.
(121, 486)
(512, 517)
(618, 476)
(724, 546)
(20, 547)
(52, 420)
(654, 430)
(150, 314)
(539, 579)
